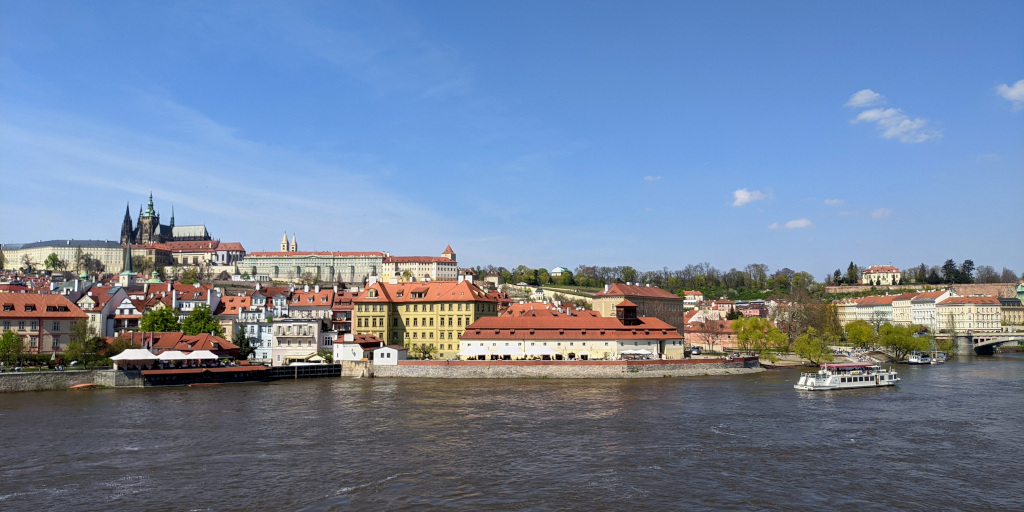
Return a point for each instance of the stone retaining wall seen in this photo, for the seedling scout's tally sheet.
(11, 382)
(566, 369)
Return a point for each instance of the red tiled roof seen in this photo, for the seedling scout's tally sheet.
(42, 305)
(230, 246)
(626, 304)
(620, 289)
(417, 259)
(448, 250)
(437, 291)
(278, 254)
(880, 269)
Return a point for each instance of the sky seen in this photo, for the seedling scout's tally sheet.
(651, 134)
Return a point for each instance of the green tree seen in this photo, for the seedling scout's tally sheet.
(160, 320)
(200, 320)
(142, 265)
(422, 351)
(326, 354)
(11, 347)
(120, 344)
(53, 262)
(246, 346)
(860, 333)
(84, 342)
(190, 275)
(899, 340)
(813, 346)
(79, 259)
(852, 273)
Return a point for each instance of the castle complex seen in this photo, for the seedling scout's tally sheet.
(149, 230)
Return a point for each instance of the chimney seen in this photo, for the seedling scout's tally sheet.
(607, 287)
(168, 286)
(316, 288)
(335, 287)
(305, 288)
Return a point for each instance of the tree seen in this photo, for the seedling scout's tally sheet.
(423, 351)
(245, 276)
(709, 331)
(120, 344)
(84, 342)
(1008, 276)
(142, 265)
(813, 346)
(200, 320)
(160, 320)
(190, 275)
(3, 260)
(878, 318)
(246, 345)
(860, 333)
(53, 262)
(852, 272)
(92, 265)
(967, 271)
(987, 274)
(11, 347)
(950, 272)
(326, 355)
(26, 262)
(900, 340)
(79, 260)
(756, 334)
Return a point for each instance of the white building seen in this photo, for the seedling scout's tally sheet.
(390, 355)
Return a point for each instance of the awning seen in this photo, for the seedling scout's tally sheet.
(474, 352)
(541, 351)
(173, 355)
(135, 354)
(508, 351)
(202, 354)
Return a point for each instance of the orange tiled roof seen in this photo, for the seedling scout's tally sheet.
(437, 291)
(38, 305)
(278, 254)
(620, 289)
(880, 269)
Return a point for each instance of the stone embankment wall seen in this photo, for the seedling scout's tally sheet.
(566, 369)
(54, 381)
(42, 381)
(356, 369)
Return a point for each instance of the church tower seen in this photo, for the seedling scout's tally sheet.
(127, 231)
(295, 246)
(149, 221)
(448, 253)
(284, 242)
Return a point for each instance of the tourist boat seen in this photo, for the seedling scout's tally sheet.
(919, 357)
(847, 376)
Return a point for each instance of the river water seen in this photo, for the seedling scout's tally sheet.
(947, 437)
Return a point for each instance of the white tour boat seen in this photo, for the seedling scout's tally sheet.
(847, 376)
(919, 357)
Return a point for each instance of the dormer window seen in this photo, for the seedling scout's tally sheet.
(30, 307)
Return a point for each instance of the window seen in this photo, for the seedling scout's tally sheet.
(7, 325)
(431, 321)
(56, 326)
(21, 325)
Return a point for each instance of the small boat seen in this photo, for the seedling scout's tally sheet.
(919, 357)
(83, 386)
(847, 376)
(938, 357)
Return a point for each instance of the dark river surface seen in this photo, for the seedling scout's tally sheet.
(948, 437)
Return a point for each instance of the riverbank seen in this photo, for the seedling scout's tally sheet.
(567, 369)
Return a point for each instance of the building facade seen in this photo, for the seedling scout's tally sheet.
(651, 301)
(43, 321)
(881, 275)
(149, 230)
(422, 316)
(109, 253)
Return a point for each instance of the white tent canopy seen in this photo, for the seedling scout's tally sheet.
(541, 351)
(474, 352)
(135, 354)
(509, 351)
(173, 355)
(202, 354)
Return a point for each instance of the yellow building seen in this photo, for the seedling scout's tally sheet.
(969, 314)
(428, 316)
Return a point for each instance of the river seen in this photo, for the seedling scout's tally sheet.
(947, 437)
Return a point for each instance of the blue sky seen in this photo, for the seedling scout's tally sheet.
(650, 134)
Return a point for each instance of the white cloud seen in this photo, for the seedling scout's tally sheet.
(864, 98)
(894, 124)
(1014, 93)
(799, 224)
(835, 202)
(652, 178)
(881, 213)
(744, 196)
(793, 224)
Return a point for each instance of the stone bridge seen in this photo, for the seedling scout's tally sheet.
(983, 344)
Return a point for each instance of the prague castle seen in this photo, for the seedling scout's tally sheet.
(149, 230)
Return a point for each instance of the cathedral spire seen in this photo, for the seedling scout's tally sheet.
(284, 242)
(172, 215)
(126, 226)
